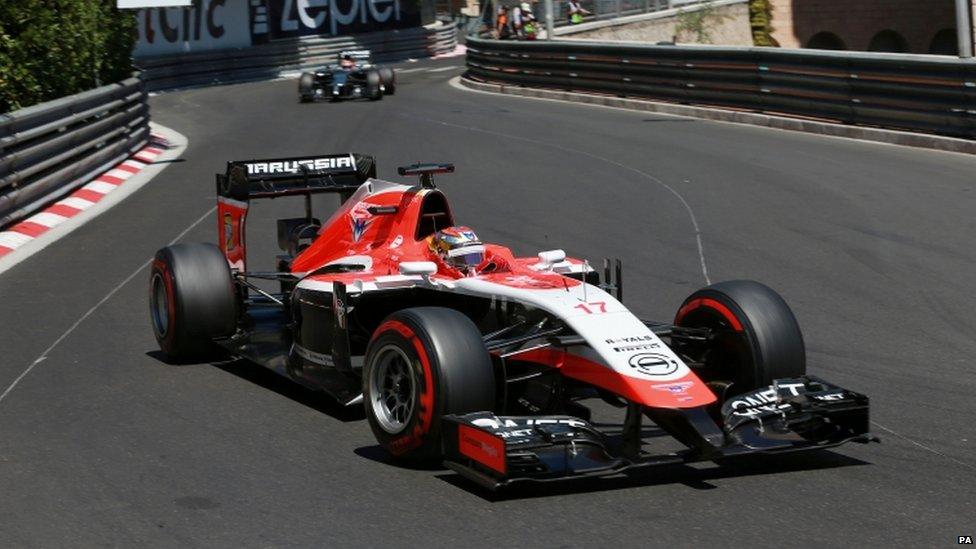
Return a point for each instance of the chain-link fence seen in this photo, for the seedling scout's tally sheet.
(599, 10)
(592, 10)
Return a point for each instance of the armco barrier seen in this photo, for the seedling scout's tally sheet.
(47, 150)
(925, 93)
(267, 60)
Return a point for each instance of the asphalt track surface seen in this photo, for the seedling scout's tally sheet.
(103, 443)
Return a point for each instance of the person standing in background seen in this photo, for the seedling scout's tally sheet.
(501, 23)
(529, 24)
(517, 21)
(576, 12)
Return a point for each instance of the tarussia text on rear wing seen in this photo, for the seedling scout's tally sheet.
(275, 177)
(302, 165)
(270, 178)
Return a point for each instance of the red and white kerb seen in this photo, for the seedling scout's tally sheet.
(80, 200)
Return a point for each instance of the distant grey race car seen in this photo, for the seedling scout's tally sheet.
(353, 76)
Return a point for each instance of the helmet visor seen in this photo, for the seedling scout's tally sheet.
(468, 256)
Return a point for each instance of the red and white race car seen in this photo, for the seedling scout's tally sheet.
(462, 352)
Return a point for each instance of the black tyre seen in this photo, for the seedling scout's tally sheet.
(374, 90)
(306, 87)
(421, 364)
(191, 299)
(758, 339)
(388, 78)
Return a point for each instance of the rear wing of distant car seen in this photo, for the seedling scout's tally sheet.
(278, 177)
(358, 55)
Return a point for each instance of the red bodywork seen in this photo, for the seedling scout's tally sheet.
(390, 223)
(391, 238)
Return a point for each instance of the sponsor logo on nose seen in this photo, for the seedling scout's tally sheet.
(653, 364)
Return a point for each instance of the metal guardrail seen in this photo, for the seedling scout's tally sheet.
(268, 60)
(49, 149)
(925, 93)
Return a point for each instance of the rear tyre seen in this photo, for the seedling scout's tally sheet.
(758, 338)
(306, 87)
(191, 299)
(388, 78)
(374, 89)
(421, 364)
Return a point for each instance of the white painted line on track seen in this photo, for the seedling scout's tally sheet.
(442, 69)
(115, 290)
(669, 188)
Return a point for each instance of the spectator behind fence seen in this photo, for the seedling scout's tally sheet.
(576, 12)
(501, 23)
(530, 27)
(517, 21)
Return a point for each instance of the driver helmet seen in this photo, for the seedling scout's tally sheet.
(347, 62)
(458, 247)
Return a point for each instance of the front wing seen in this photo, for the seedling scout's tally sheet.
(792, 414)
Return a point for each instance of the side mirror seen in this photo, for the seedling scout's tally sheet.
(549, 258)
(423, 268)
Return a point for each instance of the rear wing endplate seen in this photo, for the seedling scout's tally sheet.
(272, 178)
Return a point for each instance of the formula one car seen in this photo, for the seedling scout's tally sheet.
(462, 352)
(353, 76)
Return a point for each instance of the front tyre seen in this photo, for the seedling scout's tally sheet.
(388, 78)
(757, 338)
(191, 299)
(423, 363)
(374, 85)
(306, 87)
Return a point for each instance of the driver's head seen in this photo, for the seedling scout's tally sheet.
(458, 247)
(347, 62)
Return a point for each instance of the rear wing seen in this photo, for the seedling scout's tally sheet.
(271, 178)
(358, 55)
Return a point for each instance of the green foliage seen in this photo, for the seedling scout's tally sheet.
(53, 48)
(761, 20)
(694, 24)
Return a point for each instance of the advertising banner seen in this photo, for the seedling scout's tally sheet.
(207, 25)
(289, 18)
(210, 25)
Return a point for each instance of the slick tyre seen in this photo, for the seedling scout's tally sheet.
(421, 364)
(757, 337)
(374, 89)
(191, 299)
(306, 87)
(388, 78)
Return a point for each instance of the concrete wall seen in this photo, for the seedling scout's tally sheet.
(856, 22)
(726, 24)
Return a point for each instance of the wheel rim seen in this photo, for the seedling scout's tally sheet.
(160, 305)
(728, 360)
(392, 389)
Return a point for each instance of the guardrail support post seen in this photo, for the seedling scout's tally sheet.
(550, 19)
(964, 28)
